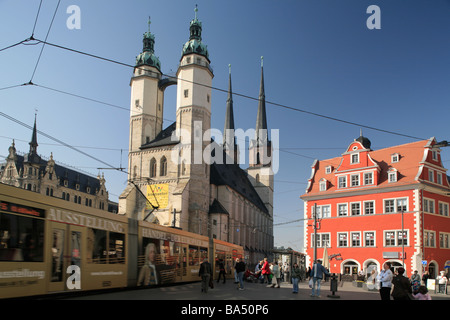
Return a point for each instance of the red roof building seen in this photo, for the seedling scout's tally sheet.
(380, 205)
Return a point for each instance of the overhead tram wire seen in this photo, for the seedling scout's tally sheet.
(240, 94)
(55, 139)
(48, 32)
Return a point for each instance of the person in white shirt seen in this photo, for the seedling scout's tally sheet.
(385, 279)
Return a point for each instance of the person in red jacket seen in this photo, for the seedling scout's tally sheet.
(266, 271)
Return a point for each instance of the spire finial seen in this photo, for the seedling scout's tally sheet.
(196, 10)
(149, 22)
(262, 61)
(229, 69)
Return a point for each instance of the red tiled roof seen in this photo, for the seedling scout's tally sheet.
(412, 157)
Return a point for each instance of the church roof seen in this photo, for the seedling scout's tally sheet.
(237, 179)
(164, 138)
(217, 207)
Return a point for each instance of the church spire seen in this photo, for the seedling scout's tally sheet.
(147, 56)
(261, 119)
(33, 143)
(32, 156)
(228, 132)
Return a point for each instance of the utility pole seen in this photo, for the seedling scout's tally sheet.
(315, 232)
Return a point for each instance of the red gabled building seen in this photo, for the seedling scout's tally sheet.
(380, 205)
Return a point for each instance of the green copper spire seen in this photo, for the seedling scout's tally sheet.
(195, 45)
(147, 57)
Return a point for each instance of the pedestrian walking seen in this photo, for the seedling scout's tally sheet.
(385, 279)
(295, 276)
(221, 271)
(286, 272)
(402, 286)
(266, 271)
(308, 273)
(317, 273)
(205, 272)
(415, 281)
(240, 270)
(258, 270)
(276, 274)
(425, 278)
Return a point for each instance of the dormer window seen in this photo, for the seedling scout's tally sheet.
(355, 158)
(323, 185)
(328, 169)
(434, 155)
(395, 157)
(392, 175)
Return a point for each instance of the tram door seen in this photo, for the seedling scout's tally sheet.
(180, 250)
(65, 250)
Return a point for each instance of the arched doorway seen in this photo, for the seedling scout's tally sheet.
(350, 268)
(432, 267)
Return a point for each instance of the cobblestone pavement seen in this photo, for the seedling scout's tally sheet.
(252, 291)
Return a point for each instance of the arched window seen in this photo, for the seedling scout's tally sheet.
(153, 168)
(163, 167)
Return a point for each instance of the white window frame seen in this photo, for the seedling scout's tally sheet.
(356, 159)
(426, 239)
(397, 234)
(443, 208)
(354, 180)
(374, 239)
(368, 178)
(429, 205)
(444, 240)
(339, 209)
(373, 207)
(395, 205)
(339, 239)
(351, 208)
(392, 175)
(357, 234)
(342, 182)
(431, 175)
(395, 158)
(323, 185)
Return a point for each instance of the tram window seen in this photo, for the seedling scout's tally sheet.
(21, 238)
(203, 254)
(102, 251)
(97, 243)
(193, 256)
(116, 248)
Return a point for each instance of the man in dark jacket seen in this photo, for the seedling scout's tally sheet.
(205, 272)
(240, 270)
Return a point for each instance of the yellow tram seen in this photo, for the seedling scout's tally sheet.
(49, 245)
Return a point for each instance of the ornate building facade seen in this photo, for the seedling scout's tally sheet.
(180, 177)
(373, 206)
(32, 172)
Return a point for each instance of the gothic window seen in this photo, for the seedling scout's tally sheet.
(163, 166)
(153, 168)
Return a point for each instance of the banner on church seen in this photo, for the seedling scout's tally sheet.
(158, 195)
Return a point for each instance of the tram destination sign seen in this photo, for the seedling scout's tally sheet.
(21, 209)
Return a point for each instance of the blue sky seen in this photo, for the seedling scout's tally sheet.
(319, 56)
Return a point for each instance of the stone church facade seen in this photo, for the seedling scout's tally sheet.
(180, 177)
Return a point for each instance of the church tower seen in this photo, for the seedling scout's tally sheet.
(260, 153)
(229, 140)
(193, 122)
(147, 98)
